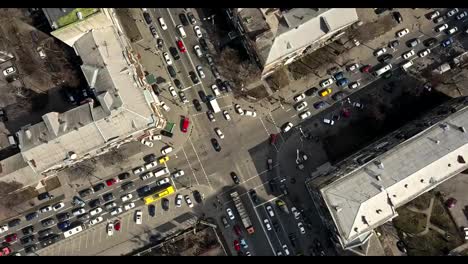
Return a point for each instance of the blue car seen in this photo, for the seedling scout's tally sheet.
(64, 225)
(338, 76)
(244, 243)
(447, 42)
(320, 105)
(342, 82)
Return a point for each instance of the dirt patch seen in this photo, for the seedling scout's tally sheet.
(409, 221)
(422, 202)
(52, 184)
(279, 79)
(128, 24)
(258, 92)
(374, 29)
(9, 200)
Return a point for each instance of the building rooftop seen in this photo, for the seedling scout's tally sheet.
(367, 197)
(60, 17)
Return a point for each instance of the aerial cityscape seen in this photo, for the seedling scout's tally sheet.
(234, 131)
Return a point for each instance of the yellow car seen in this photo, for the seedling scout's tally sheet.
(163, 159)
(325, 92)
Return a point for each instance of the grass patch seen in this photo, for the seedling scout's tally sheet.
(409, 222)
(431, 244)
(278, 79)
(258, 92)
(72, 17)
(422, 201)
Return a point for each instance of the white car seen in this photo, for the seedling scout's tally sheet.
(162, 23)
(211, 116)
(3, 228)
(270, 210)
(462, 15)
(295, 212)
(226, 115)
(267, 224)
(79, 211)
(151, 165)
(380, 52)
(178, 173)
(178, 200)
(188, 201)
(219, 133)
(197, 31)
(45, 209)
(147, 143)
(286, 250)
(250, 113)
(198, 51)
(163, 181)
(126, 197)
(287, 127)
(354, 85)
(147, 175)
(58, 206)
(408, 54)
(215, 89)
(353, 67)
(200, 71)
(96, 220)
(326, 82)
(299, 97)
(138, 217)
(155, 137)
(305, 115)
(110, 229)
(116, 211)
(301, 106)
(424, 53)
(165, 107)
(452, 30)
(402, 32)
(328, 121)
(358, 105)
(441, 28)
(129, 206)
(452, 12)
(95, 211)
(301, 228)
(239, 109)
(138, 170)
(166, 150)
(167, 58)
(230, 214)
(9, 71)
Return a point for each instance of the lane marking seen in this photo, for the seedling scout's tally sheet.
(203, 169)
(263, 124)
(193, 172)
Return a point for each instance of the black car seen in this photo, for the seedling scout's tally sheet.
(83, 217)
(30, 249)
(160, 43)
(152, 210)
(165, 204)
(174, 53)
(63, 216)
(153, 31)
(397, 16)
(123, 176)
(387, 75)
(27, 239)
(194, 77)
(203, 44)
(44, 196)
(197, 105)
(338, 96)
(203, 96)
(430, 41)
(50, 240)
(253, 195)
(32, 216)
(227, 86)
(149, 158)
(225, 222)
(385, 58)
(128, 186)
(393, 44)
(379, 11)
(108, 197)
(401, 246)
(191, 17)
(183, 19)
(99, 187)
(272, 184)
(144, 189)
(178, 84)
(197, 196)
(3, 115)
(215, 72)
(28, 230)
(147, 18)
(77, 201)
(85, 192)
(234, 177)
(95, 203)
(320, 105)
(47, 222)
(292, 239)
(45, 232)
(215, 144)
(311, 91)
(171, 71)
(14, 222)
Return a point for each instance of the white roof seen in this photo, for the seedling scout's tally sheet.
(359, 201)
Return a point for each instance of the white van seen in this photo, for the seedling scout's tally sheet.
(161, 172)
(406, 65)
(73, 231)
(181, 31)
(383, 69)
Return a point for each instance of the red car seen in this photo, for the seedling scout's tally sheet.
(5, 251)
(366, 68)
(237, 245)
(117, 225)
(11, 238)
(273, 138)
(451, 202)
(185, 124)
(237, 230)
(111, 181)
(345, 113)
(180, 44)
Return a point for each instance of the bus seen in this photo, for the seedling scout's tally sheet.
(73, 231)
(159, 195)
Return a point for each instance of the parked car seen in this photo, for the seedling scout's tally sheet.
(253, 195)
(99, 187)
(234, 178)
(397, 16)
(311, 91)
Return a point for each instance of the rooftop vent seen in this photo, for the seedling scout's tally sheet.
(378, 177)
(379, 164)
(462, 129)
(28, 133)
(79, 15)
(338, 209)
(381, 188)
(445, 127)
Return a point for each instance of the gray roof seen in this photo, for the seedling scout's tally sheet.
(53, 14)
(124, 109)
(367, 197)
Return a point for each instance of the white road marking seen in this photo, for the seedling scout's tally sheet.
(261, 224)
(263, 124)
(193, 172)
(201, 165)
(272, 199)
(87, 238)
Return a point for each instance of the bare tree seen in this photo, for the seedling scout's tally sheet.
(233, 68)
